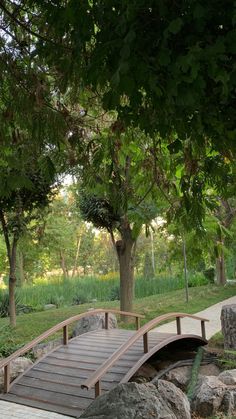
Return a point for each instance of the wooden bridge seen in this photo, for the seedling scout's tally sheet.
(67, 379)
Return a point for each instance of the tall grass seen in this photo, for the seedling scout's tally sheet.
(86, 289)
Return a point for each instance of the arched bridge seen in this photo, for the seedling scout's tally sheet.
(67, 379)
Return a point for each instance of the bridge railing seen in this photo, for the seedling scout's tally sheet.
(95, 379)
(6, 362)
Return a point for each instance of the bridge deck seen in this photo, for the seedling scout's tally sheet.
(54, 382)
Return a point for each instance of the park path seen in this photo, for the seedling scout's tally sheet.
(17, 411)
(211, 313)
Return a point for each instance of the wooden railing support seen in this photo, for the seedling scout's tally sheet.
(7, 378)
(137, 321)
(178, 325)
(106, 320)
(145, 343)
(203, 329)
(97, 389)
(65, 335)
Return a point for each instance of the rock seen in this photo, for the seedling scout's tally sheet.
(179, 377)
(175, 399)
(18, 366)
(94, 322)
(208, 396)
(146, 371)
(132, 401)
(209, 369)
(49, 306)
(228, 405)
(228, 377)
(43, 348)
(228, 324)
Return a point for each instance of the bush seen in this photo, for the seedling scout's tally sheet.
(197, 280)
(115, 293)
(209, 274)
(4, 304)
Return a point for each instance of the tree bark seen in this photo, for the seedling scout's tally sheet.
(63, 264)
(76, 256)
(220, 270)
(228, 324)
(126, 252)
(12, 283)
(11, 254)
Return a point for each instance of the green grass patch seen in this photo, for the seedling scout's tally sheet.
(65, 292)
(31, 325)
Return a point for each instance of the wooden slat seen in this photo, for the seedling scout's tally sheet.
(61, 378)
(60, 388)
(47, 396)
(82, 365)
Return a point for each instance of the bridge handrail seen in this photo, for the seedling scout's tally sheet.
(94, 380)
(5, 363)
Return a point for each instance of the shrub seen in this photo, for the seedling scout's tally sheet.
(4, 304)
(115, 293)
(209, 273)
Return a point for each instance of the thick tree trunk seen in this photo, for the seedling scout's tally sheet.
(220, 270)
(126, 253)
(228, 324)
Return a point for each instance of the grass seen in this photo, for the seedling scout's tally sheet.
(31, 325)
(81, 290)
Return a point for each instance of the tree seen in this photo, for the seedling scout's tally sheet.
(119, 194)
(25, 190)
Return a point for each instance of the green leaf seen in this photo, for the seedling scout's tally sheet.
(175, 26)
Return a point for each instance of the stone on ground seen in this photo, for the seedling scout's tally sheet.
(208, 396)
(18, 366)
(138, 401)
(94, 322)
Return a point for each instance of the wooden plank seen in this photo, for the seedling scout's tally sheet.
(61, 378)
(51, 397)
(103, 354)
(86, 359)
(72, 372)
(99, 359)
(82, 365)
(56, 387)
(68, 411)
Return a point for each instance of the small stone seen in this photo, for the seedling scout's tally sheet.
(49, 306)
(146, 371)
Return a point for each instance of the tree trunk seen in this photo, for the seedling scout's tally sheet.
(228, 324)
(11, 254)
(220, 271)
(20, 265)
(76, 256)
(12, 283)
(126, 253)
(63, 264)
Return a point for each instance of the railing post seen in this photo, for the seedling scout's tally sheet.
(203, 329)
(145, 343)
(106, 320)
(178, 325)
(97, 389)
(7, 378)
(65, 335)
(137, 319)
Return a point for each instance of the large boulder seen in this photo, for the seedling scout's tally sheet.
(135, 401)
(208, 397)
(228, 325)
(18, 366)
(94, 322)
(175, 399)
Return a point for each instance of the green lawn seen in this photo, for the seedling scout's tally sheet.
(33, 324)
